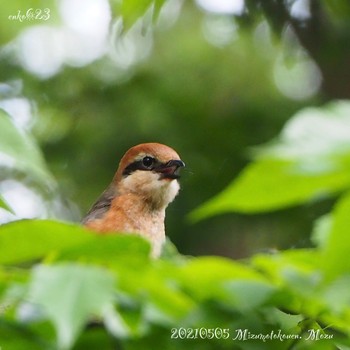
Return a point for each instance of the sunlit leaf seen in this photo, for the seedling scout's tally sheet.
(4, 205)
(170, 252)
(298, 273)
(248, 294)
(213, 277)
(299, 268)
(310, 159)
(313, 135)
(268, 185)
(166, 302)
(19, 151)
(337, 294)
(132, 10)
(112, 249)
(156, 285)
(28, 240)
(69, 295)
(336, 252)
(321, 230)
(16, 337)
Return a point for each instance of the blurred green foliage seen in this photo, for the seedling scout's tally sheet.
(213, 85)
(21, 153)
(308, 161)
(82, 284)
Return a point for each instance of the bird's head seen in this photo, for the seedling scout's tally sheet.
(150, 170)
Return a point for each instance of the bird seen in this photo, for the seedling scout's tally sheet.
(145, 182)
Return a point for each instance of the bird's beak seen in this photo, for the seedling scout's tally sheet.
(171, 169)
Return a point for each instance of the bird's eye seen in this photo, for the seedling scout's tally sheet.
(148, 162)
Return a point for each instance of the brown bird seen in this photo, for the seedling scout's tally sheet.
(145, 183)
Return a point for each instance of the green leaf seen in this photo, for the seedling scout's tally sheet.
(309, 160)
(336, 253)
(28, 240)
(337, 295)
(321, 230)
(15, 336)
(70, 294)
(248, 295)
(268, 185)
(166, 302)
(112, 249)
(313, 136)
(284, 320)
(132, 10)
(299, 278)
(218, 278)
(4, 205)
(19, 151)
(170, 252)
(94, 339)
(158, 4)
(156, 285)
(297, 269)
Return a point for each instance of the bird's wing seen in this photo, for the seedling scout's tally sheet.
(101, 206)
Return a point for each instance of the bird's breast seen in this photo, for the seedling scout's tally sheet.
(128, 214)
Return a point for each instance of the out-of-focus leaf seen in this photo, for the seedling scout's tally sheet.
(20, 152)
(336, 253)
(115, 323)
(317, 137)
(131, 10)
(4, 205)
(299, 268)
(298, 273)
(158, 4)
(268, 185)
(110, 249)
(156, 285)
(28, 240)
(12, 287)
(170, 252)
(97, 338)
(321, 230)
(212, 276)
(166, 302)
(286, 321)
(248, 295)
(17, 337)
(337, 295)
(310, 159)
(69, 295)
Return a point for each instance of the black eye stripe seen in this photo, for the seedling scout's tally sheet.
(140, 165)
(133, 167)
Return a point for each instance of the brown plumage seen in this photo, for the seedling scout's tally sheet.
(145, 183)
